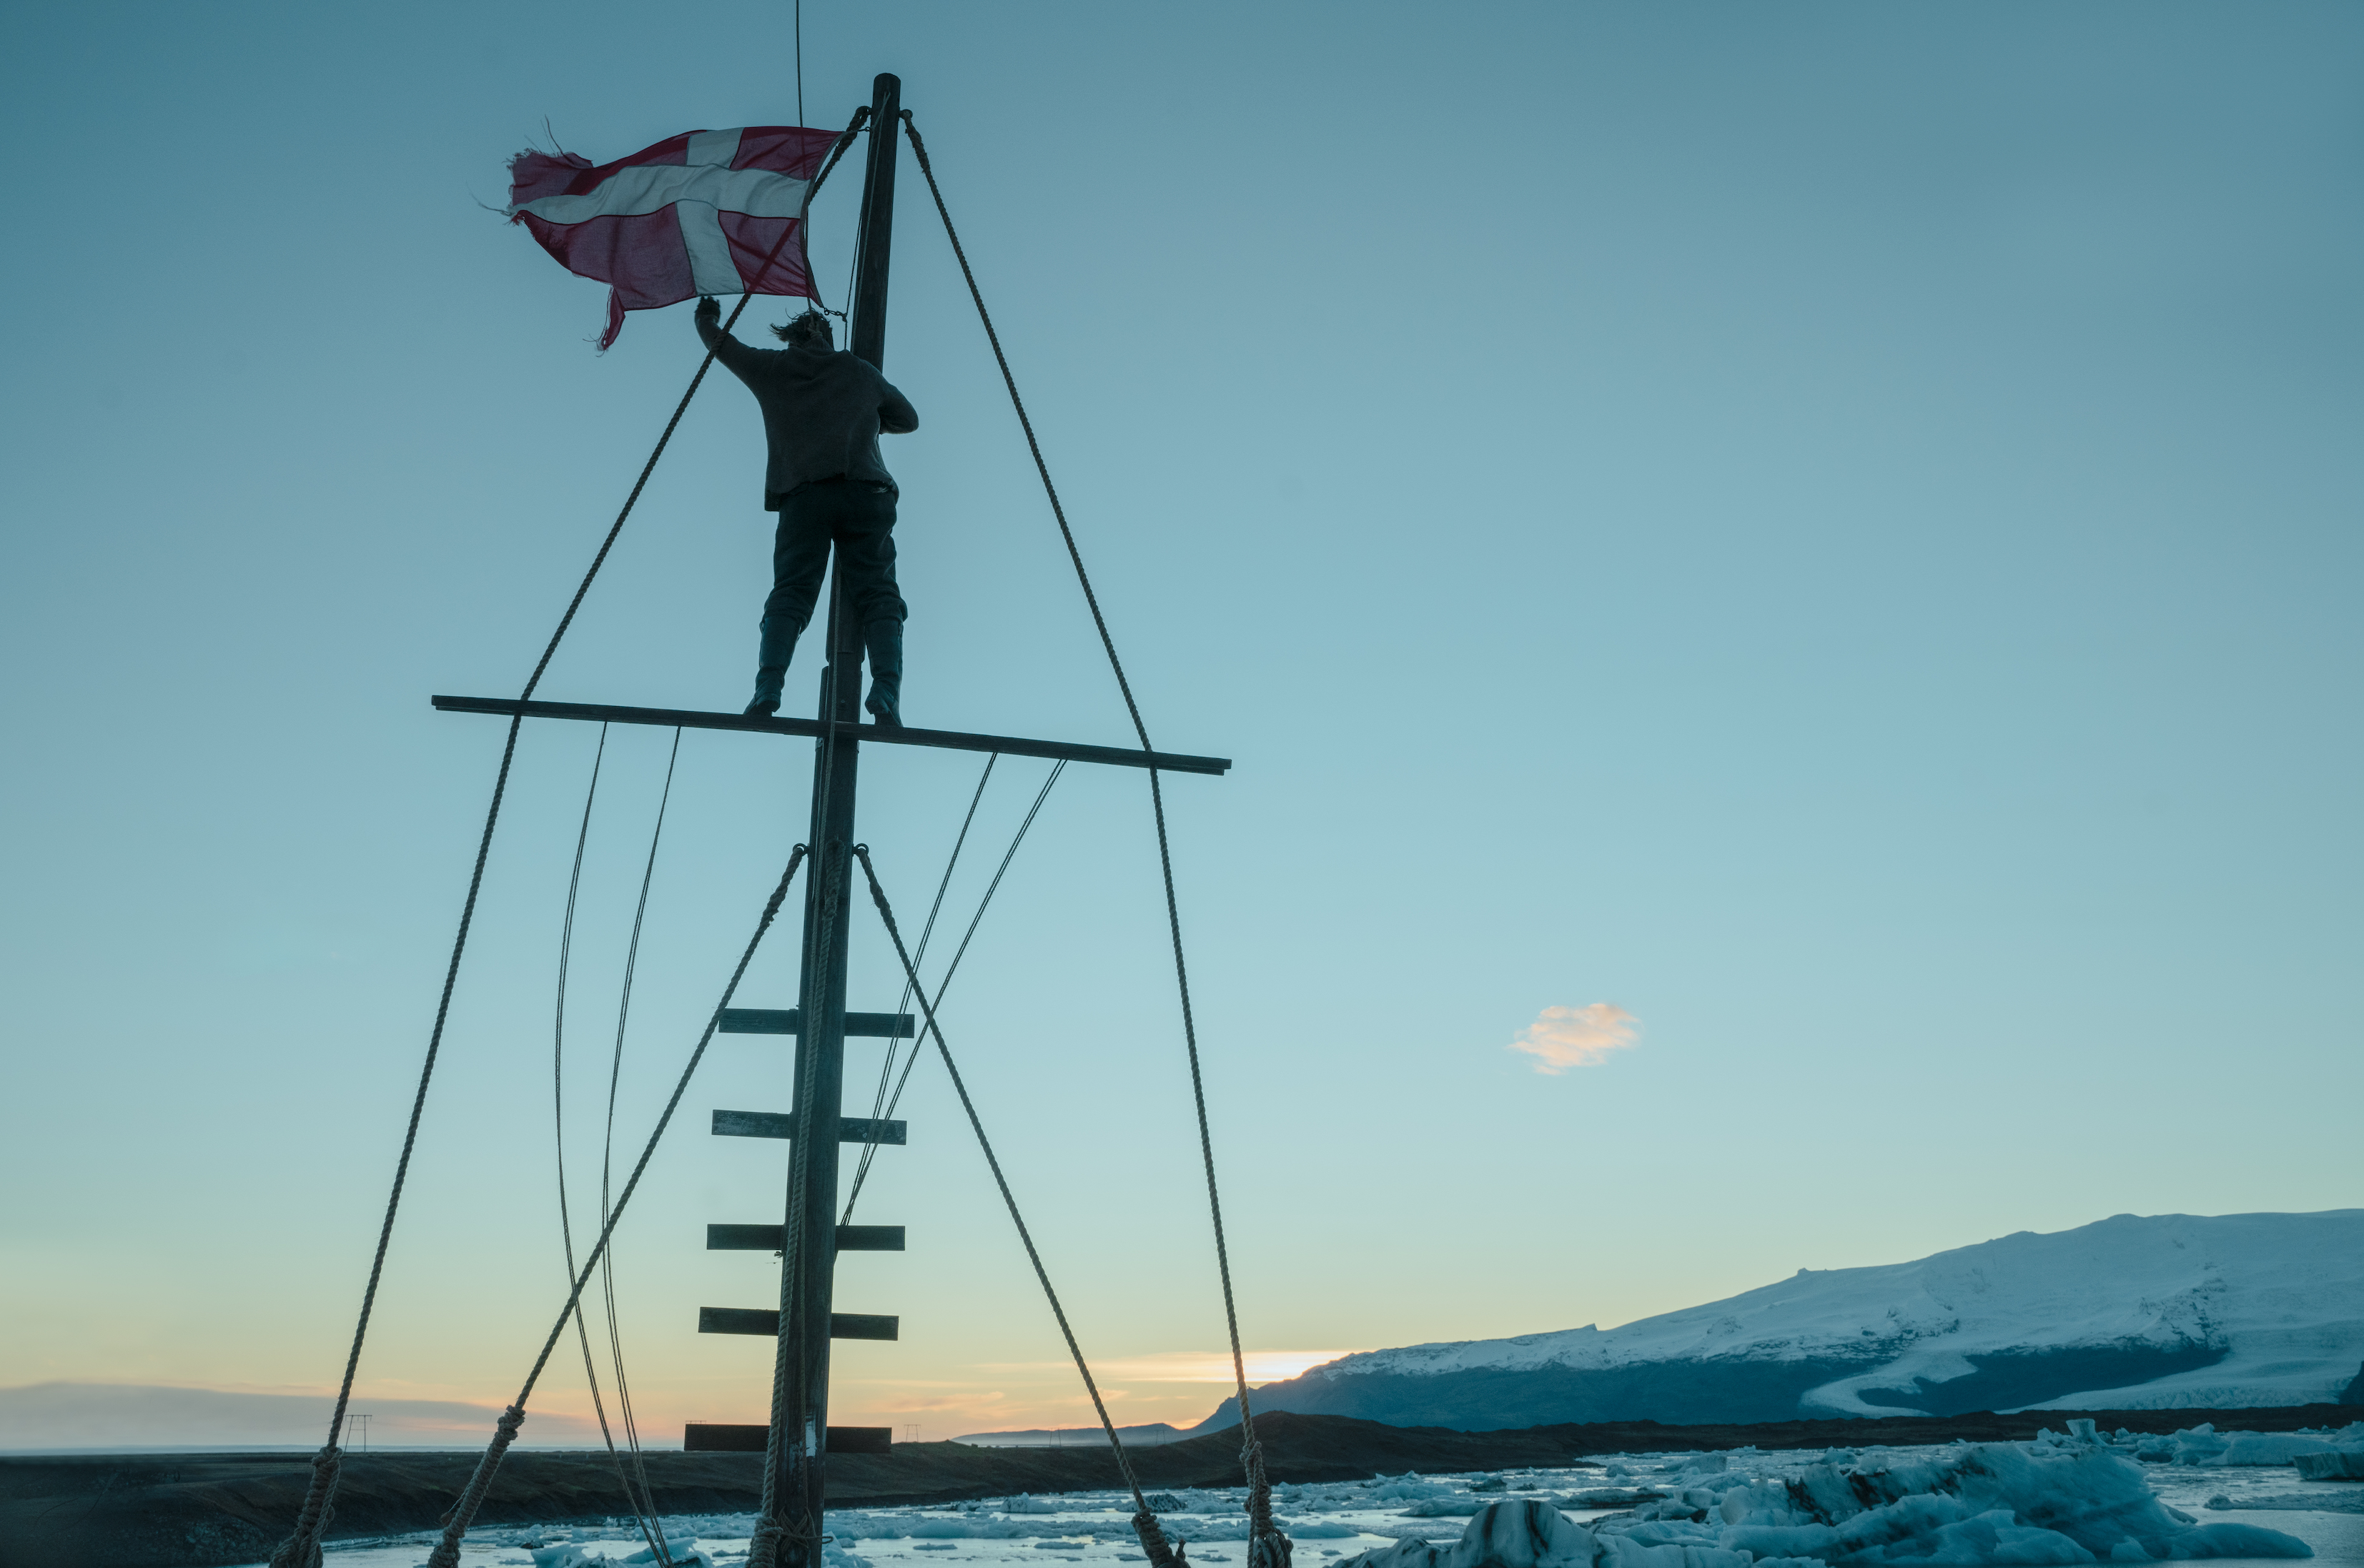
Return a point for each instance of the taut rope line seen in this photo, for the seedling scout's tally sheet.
(1144, 1520)
(302, 1547)
(463, 1513)
(1267, 1548)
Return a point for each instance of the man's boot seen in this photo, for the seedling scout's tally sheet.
(772, 656)
(769, 679)
(884, 638)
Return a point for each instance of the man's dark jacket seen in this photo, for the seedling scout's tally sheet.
(823, 410)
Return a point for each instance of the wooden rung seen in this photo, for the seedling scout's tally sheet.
(954, 740)
(782, 1123)
(721, 1437)
(766, 1321)
(767, 1237)
(790, 1020)
(738, 1320)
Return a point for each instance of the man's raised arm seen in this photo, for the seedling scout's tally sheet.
(720, 344)
(896, 415)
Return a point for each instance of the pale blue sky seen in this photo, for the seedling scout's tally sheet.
(1832, 527)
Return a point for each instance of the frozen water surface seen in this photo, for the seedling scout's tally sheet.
(1687, 1501)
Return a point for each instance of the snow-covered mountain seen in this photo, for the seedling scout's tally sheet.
(2174, 1310)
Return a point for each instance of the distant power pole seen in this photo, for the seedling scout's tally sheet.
(363, 1417)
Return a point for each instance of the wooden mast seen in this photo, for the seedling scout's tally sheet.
(801, 1406)
(798, 1437)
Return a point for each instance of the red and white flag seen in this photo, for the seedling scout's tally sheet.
(711, 212)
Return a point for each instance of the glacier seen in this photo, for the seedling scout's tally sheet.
(2130, 1312)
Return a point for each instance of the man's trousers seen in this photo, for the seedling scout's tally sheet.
(859, 518)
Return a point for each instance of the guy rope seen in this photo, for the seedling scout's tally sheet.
(789, 1532)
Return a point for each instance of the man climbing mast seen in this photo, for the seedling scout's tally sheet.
(823, 412)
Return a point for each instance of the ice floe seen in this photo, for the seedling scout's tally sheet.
(2204, 1445)
(2071, 1499)
(1999, 1502)
(2073, 1496)
(682, 1552)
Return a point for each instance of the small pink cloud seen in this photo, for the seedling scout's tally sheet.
(1562, 1037)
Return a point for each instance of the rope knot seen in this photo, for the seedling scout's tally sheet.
(1267, 1547)
(1160, 1553)
(769, 1546)
(302, 1547)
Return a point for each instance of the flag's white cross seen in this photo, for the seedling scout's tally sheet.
(699, 192)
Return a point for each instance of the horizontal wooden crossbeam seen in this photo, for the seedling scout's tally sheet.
(723, 1437)
(765, 1320)
(782, 1123)
(791, 1020)
(950, 739)
(767, 1237)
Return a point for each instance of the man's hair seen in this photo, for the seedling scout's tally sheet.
(809, 330)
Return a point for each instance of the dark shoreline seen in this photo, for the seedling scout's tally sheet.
(207, 1508)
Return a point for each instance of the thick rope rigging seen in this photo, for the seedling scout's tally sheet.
(302, 1547)
(920, 151)
(1267, 1548)
(1160, 1553)
(464, 1512)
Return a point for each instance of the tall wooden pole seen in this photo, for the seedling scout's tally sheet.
(806, 1276)
(868, 333)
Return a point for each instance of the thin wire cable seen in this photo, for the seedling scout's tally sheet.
(647, 1499)
(870, 1150)
(464, 1512)
(999, 872)
(852, 271)
(558, 1121)
(1145, 1518)
(880, 1103)
(927, 932)
(804, 211)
